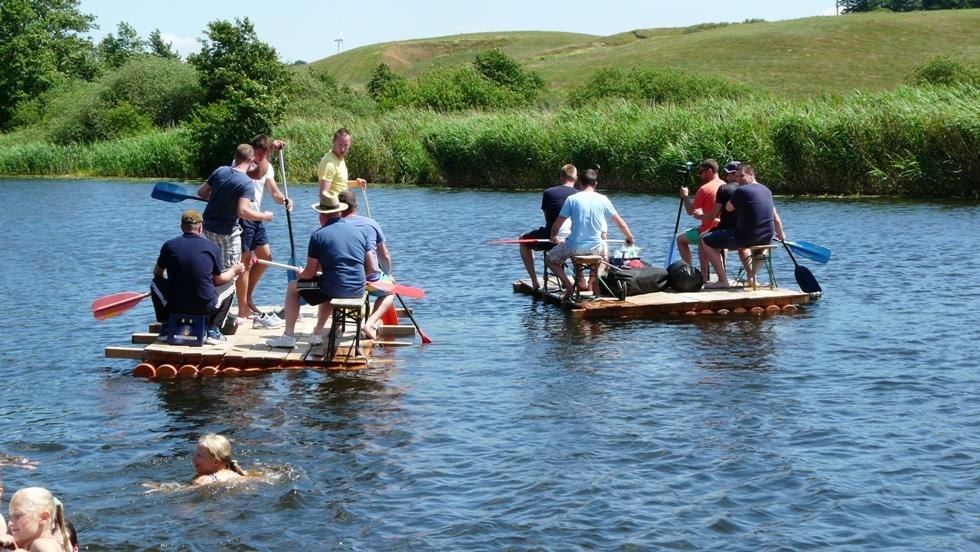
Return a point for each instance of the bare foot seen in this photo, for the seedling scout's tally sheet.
(718, 285)
(369, 332)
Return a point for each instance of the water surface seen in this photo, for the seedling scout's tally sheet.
(852, 425)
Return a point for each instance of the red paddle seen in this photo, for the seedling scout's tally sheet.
(106, 307)
(499, 242)
(399, 289)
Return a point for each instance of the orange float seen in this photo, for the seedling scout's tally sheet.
(145, 370)
(740, 310)
(723, 312)
(208, 371)
(230, 371)
(773, 309)
(790, 309)
(166, 371)
(691, 313)
(707, 311)
(758, 310)
(187, 371)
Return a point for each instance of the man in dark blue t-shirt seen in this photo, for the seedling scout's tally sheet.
(230, 193)
(551, 203)
(190, 263)
(340, 249)
(756, 222)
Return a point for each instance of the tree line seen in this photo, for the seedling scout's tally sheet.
(857, 6)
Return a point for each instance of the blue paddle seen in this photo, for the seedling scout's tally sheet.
(811, 251)
(677, 224)
(172, 192)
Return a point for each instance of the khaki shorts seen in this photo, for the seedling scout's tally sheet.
(561, 252)
(229, 246)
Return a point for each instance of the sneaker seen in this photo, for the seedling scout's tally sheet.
(316, 339)
(282, 342)
(268, 321)
(214, 336)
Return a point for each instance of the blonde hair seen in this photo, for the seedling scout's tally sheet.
(220, 449)
(38, 499)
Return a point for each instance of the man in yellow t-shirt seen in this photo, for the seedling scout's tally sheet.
(332, 169)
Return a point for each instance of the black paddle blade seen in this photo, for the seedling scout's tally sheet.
(806, 281)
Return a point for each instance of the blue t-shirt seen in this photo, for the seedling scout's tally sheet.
(227, 186)
(191, 262)
(374, 236)
(552, 200)
(753, 206)
(370, 228)
(340, 247)
(588, 211)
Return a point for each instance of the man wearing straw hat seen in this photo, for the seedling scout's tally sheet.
(337, 248)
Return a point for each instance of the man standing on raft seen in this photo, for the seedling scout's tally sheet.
(332, 170)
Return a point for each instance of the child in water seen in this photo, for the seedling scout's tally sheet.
(213, 461)
(34, 512)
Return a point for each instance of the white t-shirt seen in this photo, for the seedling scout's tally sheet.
(260, 186)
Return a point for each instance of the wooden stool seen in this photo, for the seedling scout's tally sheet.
(760, 255)
(345, 309)
(579, 264)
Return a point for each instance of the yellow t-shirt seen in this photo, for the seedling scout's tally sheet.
(333, 170)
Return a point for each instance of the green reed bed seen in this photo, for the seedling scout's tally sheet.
(155, 154)
(913, 141)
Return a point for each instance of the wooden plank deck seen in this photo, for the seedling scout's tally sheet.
(736, 300)
(245, 351)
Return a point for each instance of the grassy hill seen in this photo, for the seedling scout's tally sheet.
(800, 57)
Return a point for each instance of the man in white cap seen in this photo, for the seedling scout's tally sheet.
(337, 248)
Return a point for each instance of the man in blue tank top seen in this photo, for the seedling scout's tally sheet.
(756, 222)
(340, 250)
(551, 203)
(190, 264)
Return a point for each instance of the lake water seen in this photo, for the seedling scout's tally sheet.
(853, 425)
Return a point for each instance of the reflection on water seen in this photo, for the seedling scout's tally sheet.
(850, 424)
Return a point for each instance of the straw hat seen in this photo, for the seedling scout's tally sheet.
(329, 204)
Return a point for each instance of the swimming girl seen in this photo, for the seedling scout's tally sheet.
(34, 515)
(213, 461)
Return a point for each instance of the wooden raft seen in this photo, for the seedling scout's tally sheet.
(737, 300)
(245, 351)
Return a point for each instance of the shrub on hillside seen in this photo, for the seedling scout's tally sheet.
(317, 95)
(505, 71)
(388, 88)
(655, 86)
(944, 70)
(163, 90)
(493, 81)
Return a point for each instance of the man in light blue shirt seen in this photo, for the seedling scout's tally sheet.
(588, 211)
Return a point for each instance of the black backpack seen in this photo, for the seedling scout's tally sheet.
(625, 282)
(684, 277)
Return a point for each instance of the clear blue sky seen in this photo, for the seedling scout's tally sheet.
(306, 29)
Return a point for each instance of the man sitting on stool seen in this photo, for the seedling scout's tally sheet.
(340, 249)
(756, 222)
(190, 262)
(588, 211)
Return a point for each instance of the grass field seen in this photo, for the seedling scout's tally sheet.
(797, 58)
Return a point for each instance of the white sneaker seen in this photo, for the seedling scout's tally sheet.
(282, 342)
(268, 321)
(316, 339)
